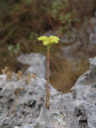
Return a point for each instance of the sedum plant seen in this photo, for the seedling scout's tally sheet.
(48, 41)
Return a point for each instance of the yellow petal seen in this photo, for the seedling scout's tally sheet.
(42, 38)
(45, 43)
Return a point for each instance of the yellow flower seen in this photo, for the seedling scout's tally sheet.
(42, 38)
(48, 41)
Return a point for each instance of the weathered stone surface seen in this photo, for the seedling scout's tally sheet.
(85, 93)
(26, 105)
(36, 63)
(72, 110)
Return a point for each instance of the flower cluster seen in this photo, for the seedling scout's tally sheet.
(48, 41)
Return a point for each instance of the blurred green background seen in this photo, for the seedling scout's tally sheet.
(22, 21)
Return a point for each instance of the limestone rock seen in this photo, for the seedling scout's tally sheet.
(36, 63)
(72, 110)
(27, 104)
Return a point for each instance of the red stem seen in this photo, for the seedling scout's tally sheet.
(48, 86)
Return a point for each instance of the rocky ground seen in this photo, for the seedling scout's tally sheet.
(22, 102)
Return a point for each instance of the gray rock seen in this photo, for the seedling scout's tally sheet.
(31, 98)
(80, 41)
(36, 63)
(72, 110)
(71, 50)
(71, 38)
(76, 112)
(85, 93)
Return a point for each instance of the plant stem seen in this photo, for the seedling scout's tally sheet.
(48, 86)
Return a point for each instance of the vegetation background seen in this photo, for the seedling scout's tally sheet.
(22, 21)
